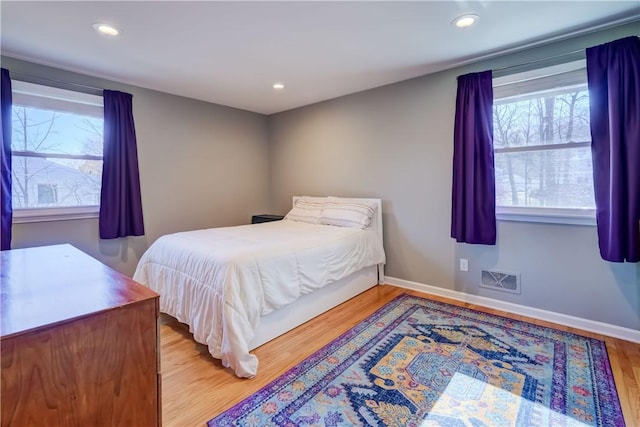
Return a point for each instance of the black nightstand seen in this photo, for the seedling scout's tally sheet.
(257, 219)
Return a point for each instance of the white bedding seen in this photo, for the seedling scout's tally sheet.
(221, 280)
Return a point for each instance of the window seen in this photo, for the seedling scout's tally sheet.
(47, 194)
(56, 152)
(542, 145)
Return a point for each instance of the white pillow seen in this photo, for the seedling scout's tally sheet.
(307, 209)
(343, 212)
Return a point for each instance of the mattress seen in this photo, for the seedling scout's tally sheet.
(220, 281)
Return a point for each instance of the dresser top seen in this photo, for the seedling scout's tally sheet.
(48, 285)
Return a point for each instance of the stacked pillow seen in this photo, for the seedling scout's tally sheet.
(353, 213)
(337, 211)
(307, 209)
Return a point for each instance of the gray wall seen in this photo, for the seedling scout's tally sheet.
(204, 165)
(201, 165)
(395, 143)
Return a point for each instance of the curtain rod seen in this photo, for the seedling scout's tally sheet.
(535, 61)
(62, 82)
(549, 58)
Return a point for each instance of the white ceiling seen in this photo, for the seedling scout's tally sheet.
(232, 52)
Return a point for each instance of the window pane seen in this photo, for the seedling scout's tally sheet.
(546, 178)
(70, 182)
(48, 131)
(555, 117)
(51, 126)
(532, 111)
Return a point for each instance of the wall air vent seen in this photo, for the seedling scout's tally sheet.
(501, 281)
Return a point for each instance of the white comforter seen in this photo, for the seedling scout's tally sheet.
(221, 280)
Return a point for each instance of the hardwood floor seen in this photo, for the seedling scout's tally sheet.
(195, 387)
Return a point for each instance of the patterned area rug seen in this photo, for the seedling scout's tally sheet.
(422, 363)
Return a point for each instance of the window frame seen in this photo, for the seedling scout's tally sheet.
(61, 213)
(543, 214)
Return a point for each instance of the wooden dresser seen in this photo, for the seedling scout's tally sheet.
(79, 343)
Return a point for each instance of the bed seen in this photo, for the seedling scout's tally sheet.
(239, 287)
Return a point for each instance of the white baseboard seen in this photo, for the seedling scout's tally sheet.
(620, 332)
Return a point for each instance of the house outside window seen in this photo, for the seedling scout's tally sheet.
(56, 153)
(542, 145)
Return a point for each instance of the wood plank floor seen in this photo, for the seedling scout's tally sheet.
(195, 387)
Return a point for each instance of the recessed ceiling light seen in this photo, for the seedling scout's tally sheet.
(278, 86)
(107, 29)
(467, 20)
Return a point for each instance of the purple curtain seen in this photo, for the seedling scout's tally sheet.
(5, 172)
(120, 201)
(473, 198)
(613, 74)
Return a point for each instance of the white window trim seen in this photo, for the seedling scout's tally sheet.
(579, 216)
(547, 215)
(45, 155)
(21, 216)
(533, 148)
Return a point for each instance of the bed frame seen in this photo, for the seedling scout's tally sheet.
(311, 305)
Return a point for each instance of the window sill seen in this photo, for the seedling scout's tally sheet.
(21, 216)
(585, 217)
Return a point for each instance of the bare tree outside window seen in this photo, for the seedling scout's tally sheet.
(28, 135)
